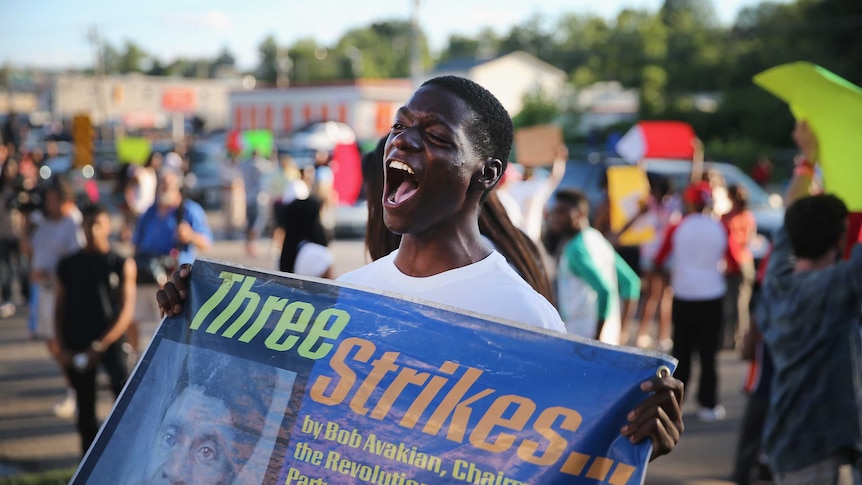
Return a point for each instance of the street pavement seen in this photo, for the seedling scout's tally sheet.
(33, 439)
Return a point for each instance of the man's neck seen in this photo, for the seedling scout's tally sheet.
(814, 264)
(420, 256)
(100, 248)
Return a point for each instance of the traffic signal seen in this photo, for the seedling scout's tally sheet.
(83, 136)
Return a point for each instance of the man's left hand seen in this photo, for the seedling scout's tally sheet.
(659, 416)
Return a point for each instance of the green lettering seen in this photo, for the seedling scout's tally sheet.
(243, 294)
(228, 279)
(286, 324)
(271, 303)
(319, 331)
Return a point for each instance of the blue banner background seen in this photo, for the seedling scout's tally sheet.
(600, 383)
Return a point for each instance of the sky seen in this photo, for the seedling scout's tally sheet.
(53, 33)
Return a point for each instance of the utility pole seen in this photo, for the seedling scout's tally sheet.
(99, 80)
(415, 55)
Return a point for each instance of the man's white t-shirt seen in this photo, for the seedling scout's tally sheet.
(489, 287)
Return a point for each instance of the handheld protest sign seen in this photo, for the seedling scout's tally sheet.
(134, 150)
(628, 189)
(275, 379)
(832, 106)
(537, 145)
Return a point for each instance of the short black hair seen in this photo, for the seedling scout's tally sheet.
(815, 224)
(491, 129)
(92, 211)
(62, 188)
(574, 197)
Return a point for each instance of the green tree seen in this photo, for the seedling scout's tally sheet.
(268, 51)
(131, 58)
(537, 108)
(383, 49)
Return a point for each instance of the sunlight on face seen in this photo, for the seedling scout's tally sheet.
(194, 442)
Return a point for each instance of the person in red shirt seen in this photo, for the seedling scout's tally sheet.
(739, 272)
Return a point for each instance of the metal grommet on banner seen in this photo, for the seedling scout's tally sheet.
(662, 372)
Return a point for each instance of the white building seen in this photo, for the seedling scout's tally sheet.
(606, 103)
(509, 77)
(366, 105)
(139, 101)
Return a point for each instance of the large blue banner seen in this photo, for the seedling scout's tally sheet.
(275, 379)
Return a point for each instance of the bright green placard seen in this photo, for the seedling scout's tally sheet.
(133, 150)
(260, 140)
(833, 108)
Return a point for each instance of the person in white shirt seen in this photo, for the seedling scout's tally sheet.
(698, 244)
(447, 148)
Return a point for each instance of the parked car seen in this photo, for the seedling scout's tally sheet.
(768, 211)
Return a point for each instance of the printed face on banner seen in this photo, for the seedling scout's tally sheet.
(193, 442)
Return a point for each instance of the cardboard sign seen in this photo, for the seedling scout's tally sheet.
(628, 188)
(274, 379)
(537, 145)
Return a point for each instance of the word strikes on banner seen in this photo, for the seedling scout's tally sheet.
(292, 325)
(506, 412)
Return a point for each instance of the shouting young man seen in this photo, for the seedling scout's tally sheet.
(447, 149)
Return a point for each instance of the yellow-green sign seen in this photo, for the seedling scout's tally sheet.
(133, 150)
(832, 107)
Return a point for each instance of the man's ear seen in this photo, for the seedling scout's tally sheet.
(490, 174)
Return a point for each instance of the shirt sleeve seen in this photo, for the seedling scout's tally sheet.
(582, 266)
(197, 218)
(627, 279)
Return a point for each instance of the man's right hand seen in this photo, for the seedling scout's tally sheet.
(172, 297)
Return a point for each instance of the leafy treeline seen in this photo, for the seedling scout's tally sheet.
(670, 55)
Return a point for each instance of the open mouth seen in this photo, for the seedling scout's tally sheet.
(401, 182)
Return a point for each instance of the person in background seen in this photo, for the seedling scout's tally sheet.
(176, 158)
(252, 170)
(233, 196)
(323, 188)
(762, 171)
(54, 232)
(304, 240)
(11, 227)
(808, 313)
(739, 271)
(140, 191)
(95, 295)
(662, 210)
(168, 234)
(532, 194)
(591, 276)
(698, 245)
